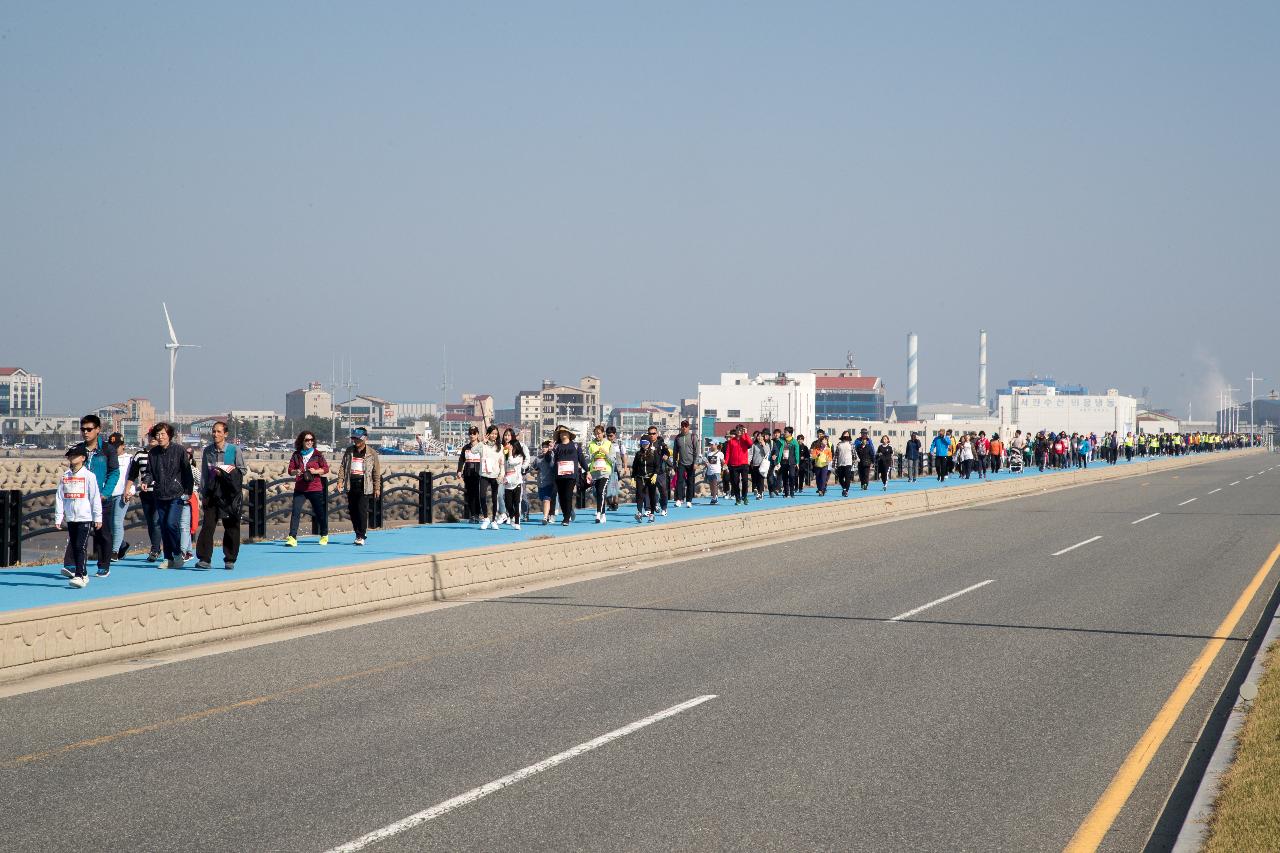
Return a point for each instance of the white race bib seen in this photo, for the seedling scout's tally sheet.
(565, 469)
(472, 456)
(489, 468)
(73, 488)
(357, 466)
(600, 465)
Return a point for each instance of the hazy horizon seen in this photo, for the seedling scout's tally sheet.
(652, 195)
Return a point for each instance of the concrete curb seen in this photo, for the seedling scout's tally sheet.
(47, 639)
(1195, 829)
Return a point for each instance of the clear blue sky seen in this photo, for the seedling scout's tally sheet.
(647, 192)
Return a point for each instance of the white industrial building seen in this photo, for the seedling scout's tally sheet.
(782, 399)
(1083, 413)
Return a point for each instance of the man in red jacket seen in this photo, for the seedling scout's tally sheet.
(737, 455)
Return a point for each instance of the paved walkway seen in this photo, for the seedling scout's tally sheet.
(40, 586)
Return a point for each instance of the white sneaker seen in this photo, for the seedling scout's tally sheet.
(484, 525)
(359, 541)
(80, 581)
(664, 513)
(502, 519)
(603, 518)
(515, 525)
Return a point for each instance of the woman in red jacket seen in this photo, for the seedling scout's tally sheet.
(309, 465)
(737, 455)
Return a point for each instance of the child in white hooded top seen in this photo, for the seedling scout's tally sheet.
(79, 504)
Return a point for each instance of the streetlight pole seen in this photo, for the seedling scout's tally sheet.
(1234, 416)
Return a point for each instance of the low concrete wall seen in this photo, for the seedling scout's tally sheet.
(64, 636)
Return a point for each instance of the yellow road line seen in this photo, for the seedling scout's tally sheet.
(1105, 811)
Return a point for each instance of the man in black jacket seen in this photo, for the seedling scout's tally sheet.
(865, 452)
(913, 458)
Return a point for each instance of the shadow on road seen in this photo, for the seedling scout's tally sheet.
(1118, 632)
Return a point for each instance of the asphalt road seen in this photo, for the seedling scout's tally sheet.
(990, 721)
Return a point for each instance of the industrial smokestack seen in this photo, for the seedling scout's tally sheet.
(982, 367)
(912, 343)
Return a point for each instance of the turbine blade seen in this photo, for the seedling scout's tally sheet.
(173, 336)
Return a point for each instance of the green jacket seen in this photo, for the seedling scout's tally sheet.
(789, 451)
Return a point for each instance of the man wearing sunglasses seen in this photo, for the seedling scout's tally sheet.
(102, 460)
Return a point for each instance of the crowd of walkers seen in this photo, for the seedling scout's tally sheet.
(760, 465)
(183, 496)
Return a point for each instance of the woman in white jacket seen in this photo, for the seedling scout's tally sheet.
(514, 464)
(490, 477)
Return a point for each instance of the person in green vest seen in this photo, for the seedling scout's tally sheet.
(600, 461)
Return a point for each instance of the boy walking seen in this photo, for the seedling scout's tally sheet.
(79, 504)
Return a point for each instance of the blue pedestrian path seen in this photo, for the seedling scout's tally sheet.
(40, 586)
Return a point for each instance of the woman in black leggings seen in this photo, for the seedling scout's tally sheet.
(884, 461)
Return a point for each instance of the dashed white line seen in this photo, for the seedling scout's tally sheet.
(1075, 546)
(1215, 491)
(902, 616)
(506, 781)
(1184, 503)
(1145, 518)
(1236, 483)
(1250, 477)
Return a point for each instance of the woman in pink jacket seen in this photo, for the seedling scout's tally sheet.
(308, 465)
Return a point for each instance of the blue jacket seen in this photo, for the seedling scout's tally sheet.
(939, 446)
(104, 462)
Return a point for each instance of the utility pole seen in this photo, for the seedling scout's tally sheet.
(333, 402)
(445, 385)
(1252, 379)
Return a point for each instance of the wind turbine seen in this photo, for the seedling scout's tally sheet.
(173, 346)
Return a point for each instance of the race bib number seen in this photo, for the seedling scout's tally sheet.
(73, 488)
(357, 467)
(472, 456)
(489, 468)
(600, 465)
(564, 469)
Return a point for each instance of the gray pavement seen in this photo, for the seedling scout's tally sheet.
(992, 721)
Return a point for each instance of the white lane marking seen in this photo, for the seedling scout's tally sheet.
(902, 616)
(1184, 503)
(1236, 483)
(1215, 491)
(506, 781)
(1075, 546)
(1250, 477)
(1144, 518)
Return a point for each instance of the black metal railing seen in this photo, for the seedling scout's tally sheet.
(430, 494)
